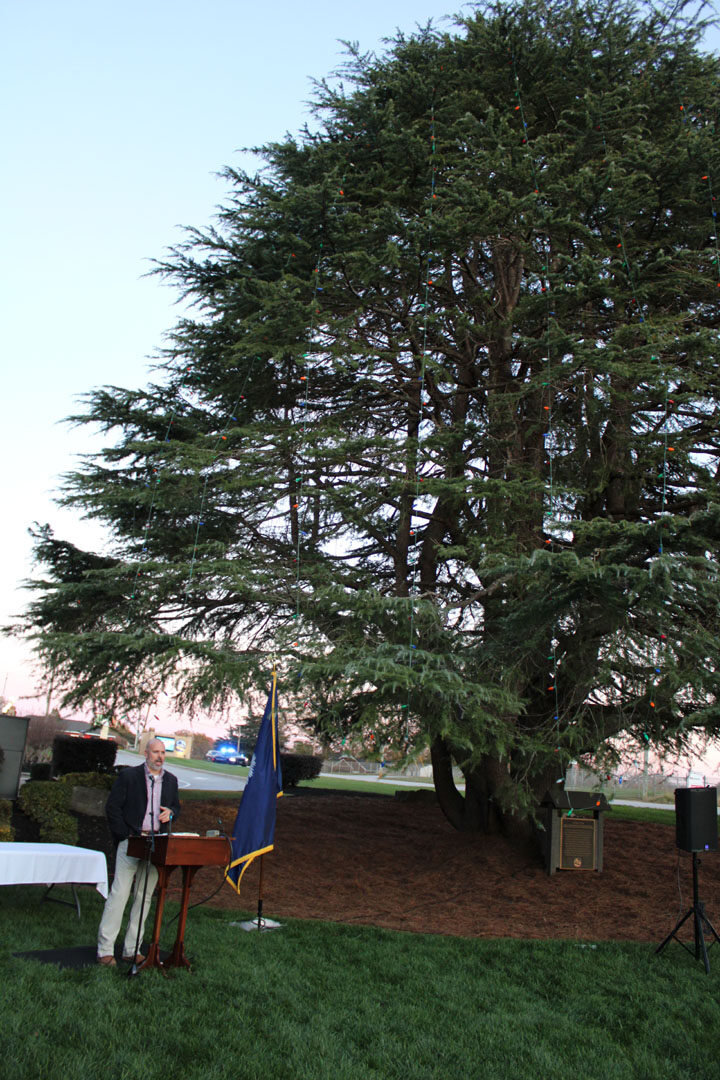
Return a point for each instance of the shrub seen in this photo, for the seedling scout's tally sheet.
(417, 795)
(47, 803)
(6, 831)
(38, 797)
(200, 746)
(104, 781)
(297, 767)
(71, 754)
(59, 828)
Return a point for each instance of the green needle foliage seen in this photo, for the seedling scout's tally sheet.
(442, 435)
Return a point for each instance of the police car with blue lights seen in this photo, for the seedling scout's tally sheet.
(228, 754)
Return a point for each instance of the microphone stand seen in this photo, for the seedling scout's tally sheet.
(134, 967)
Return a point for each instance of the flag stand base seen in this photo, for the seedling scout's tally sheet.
(252, 924)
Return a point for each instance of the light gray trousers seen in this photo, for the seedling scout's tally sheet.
(127, 870)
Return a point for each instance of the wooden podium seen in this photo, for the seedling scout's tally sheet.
(189, 853)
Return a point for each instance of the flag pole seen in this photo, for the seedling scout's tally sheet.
(254, 829)
(262, 857)
(260, 894)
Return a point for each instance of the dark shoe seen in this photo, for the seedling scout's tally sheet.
(137, 959)
(107, 961)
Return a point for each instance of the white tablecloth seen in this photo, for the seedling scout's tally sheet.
(52, 864)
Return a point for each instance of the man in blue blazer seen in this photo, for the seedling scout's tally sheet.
(143, 800)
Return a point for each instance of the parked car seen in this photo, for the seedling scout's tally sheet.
(227, 754)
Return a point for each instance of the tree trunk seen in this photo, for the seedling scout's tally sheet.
(476, 810)
(463, 814)
(480, 808)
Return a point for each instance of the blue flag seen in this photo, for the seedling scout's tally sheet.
(254, 828)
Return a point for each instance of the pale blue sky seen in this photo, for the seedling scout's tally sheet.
(117, 118)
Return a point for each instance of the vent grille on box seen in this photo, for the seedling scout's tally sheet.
(577, 843)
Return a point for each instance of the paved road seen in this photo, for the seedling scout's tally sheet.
(649, 805)
(217, 780)
(653, 805)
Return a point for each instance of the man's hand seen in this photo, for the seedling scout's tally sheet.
(165, 815)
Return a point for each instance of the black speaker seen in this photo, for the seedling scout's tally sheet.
(696, 818)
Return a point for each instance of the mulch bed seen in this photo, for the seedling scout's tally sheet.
(382, 862)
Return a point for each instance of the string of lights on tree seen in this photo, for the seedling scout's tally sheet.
(309, 364)
(422, 401)
(552, 521)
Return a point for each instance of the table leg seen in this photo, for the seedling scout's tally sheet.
(59, 900)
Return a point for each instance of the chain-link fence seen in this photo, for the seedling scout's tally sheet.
(636, 784)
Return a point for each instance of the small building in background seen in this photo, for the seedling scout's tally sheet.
(175, 745)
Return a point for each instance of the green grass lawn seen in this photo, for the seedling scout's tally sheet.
(333, 783)
(319, 1000)
(374, 787)
(642, 813)
(625, 813)
(206, 766)
(389, 786)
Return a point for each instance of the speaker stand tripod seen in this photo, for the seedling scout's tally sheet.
(701, 921)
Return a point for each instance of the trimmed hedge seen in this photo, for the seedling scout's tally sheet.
(104, 781)
(47, 803)
(73, 755)
(6, 831)
(298, 767)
